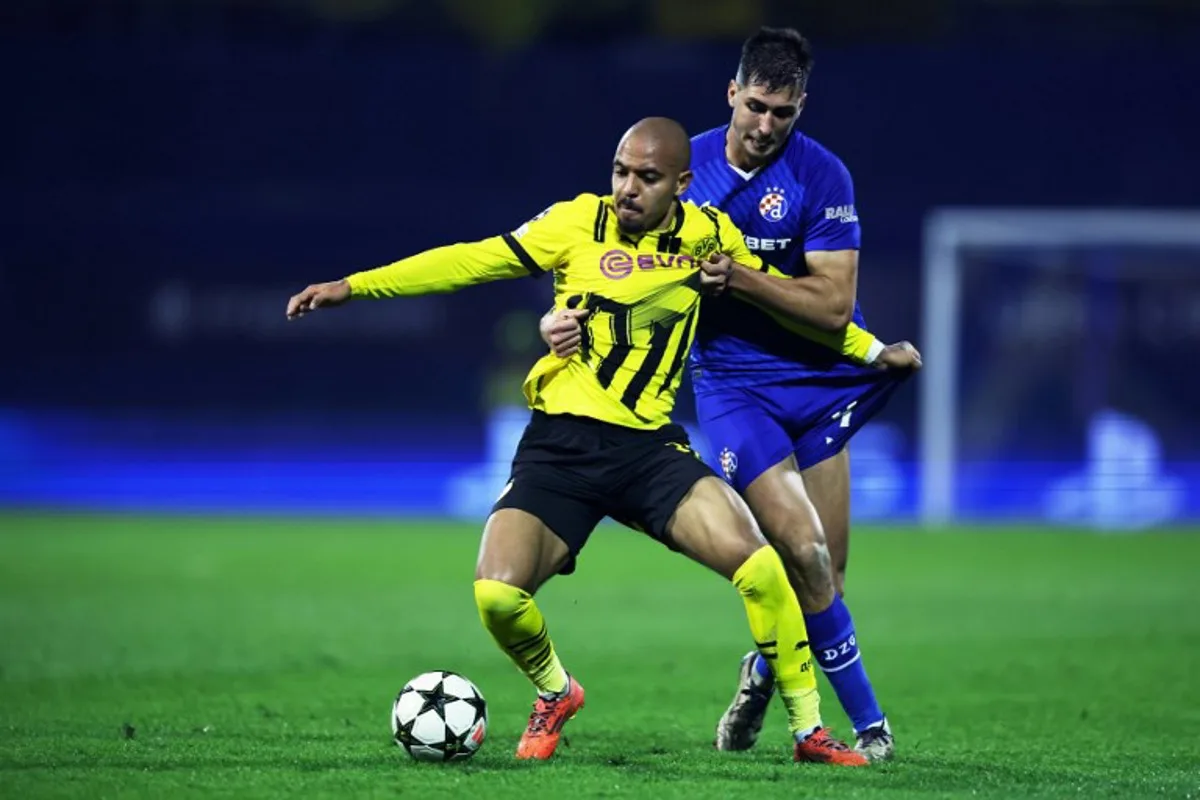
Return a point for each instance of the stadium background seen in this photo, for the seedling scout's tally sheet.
(174, 170)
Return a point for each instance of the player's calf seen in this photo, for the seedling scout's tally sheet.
(713, 525)
(806, 558)
(780, 501)
(513, 619)
(778, 612)
(515, 622)
(519, 548)
(828, 486)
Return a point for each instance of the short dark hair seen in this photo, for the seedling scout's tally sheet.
(777, 58)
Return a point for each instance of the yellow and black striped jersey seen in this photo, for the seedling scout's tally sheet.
(643, 294)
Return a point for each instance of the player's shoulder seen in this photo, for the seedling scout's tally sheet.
(704, 219)
(708, 146)
(578, 210)
(583, 203)
(810, 160)
(702, 211)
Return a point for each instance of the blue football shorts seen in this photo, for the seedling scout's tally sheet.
(752, 428)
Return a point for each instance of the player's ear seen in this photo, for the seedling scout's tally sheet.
(800, 105)
(685, 180)
(733, 89)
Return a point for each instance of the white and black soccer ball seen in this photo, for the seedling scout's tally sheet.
(440, 716)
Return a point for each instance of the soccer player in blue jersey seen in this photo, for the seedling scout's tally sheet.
(777, 410)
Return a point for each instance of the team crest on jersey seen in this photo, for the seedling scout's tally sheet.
(705, 248)
(729, 464)
(773, 206)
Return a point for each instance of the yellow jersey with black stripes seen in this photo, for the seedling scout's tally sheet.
(643, 293)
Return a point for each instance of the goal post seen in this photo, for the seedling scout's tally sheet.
(949, 234)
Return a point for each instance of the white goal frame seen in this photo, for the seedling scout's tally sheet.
(946, 232)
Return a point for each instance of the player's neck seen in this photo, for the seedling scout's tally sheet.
(738, 156)
(667, 220)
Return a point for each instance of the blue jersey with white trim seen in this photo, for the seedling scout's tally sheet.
(803, 200)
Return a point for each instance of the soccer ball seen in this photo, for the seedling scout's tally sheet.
(439, 716)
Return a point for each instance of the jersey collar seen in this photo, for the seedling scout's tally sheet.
(743, 174)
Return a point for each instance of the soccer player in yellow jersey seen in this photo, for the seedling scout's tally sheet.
(600, 441)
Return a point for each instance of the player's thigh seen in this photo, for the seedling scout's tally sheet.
(538, 527)
(780, 501)
(828, 486)
(669, 494)
(519, 549)
(745, 438)
(821, 451)
(712, 526)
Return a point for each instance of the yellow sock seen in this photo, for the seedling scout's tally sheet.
(779, 632)
(514, 621)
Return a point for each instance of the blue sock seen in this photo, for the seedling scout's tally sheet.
(835, 648)
(761, 668)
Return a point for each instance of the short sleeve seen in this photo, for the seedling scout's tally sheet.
(831, 221)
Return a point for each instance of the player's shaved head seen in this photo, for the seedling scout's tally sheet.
(665, 137)
(650, 170)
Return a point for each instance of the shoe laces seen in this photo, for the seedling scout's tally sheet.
(872, 734)
(539, 720)
(822, 739)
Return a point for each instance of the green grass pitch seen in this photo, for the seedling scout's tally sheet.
(233, 657)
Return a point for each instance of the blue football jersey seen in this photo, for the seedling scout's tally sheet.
(803, 200)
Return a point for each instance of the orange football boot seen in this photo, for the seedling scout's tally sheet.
(546, 722)
(822, 748)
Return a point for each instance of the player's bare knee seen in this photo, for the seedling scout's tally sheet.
(494, 566)
(803, 549)
(738, 541)
(808, 569)
(514, 549)
(747, 539)
(714, 526)
(745, 551)
(742, 530)
(490, 571)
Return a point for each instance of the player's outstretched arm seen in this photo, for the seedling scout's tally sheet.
(440, 270)
(444, 269)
